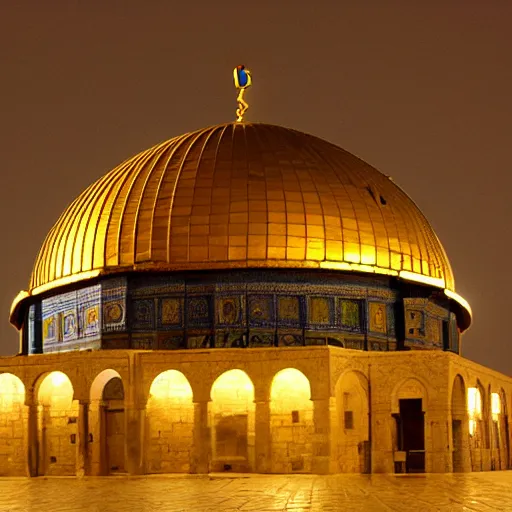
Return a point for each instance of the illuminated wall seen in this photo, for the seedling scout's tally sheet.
(460, 427)
(13, 425)
(232, 418)
(57, 426)
(497, 431)
(170, 421)
(352, 433)
(291, 422)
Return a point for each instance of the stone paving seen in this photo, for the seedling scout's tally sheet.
(260, 493)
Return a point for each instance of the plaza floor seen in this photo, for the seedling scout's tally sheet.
(260, 493)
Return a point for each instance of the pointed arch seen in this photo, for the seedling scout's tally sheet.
(233, 422)
(352, 407)
(107, 423)
(100, 381)
(170, 422)
(57, 424)
(291, 422)
(409, 388)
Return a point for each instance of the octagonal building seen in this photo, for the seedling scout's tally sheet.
(246, 298)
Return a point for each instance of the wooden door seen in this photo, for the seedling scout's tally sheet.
(114, 419)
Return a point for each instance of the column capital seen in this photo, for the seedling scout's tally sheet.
(320, 399)
(201, 401)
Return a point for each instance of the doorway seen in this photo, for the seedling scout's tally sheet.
(114, 426)
(411, 434)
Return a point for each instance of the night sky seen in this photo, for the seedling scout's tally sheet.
(421, 93)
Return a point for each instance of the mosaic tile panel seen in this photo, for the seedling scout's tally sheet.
(290, 339)
(143, 314)
(170, 313)
(350, 315)
(289, 310)
(354, 344)
(200, 341)
(377, 317)
(230, 339)
(143, 342)
(172, 342)
(199, 311)
(415, 323)
(261, 310)
(321, 312)
(230, 310)
(261, 339)
(89, 314)
(71, 319)
(114, 304)
(433, 330)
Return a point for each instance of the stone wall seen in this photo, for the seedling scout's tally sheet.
(336, 411)
(13, 426)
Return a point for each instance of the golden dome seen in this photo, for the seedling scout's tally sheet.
(242, 196)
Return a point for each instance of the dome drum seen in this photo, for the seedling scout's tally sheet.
(241, 309)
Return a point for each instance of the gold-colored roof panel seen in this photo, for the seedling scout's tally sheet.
(238, 196)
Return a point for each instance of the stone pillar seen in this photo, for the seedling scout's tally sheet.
(135, 417)
(508, 430)
(321, 463)
(460, 443)
(465, 448)
(201, 449)
(94, 439)
(32, 444)
(263, 449)
(438, 446)
(381, 442)
(82, 459)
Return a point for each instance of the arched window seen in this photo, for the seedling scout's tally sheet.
(474, 409)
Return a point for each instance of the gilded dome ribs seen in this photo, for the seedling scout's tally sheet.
(242, 195)
(115, 216)
(83, 252)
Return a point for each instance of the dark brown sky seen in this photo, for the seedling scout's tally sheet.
(421, 93)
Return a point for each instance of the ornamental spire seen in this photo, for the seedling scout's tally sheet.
(243, 81)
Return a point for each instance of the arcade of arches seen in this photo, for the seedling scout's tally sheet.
(315, 410)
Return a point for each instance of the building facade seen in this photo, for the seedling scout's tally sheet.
(245, 298)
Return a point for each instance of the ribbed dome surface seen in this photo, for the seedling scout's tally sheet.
(242, 196)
